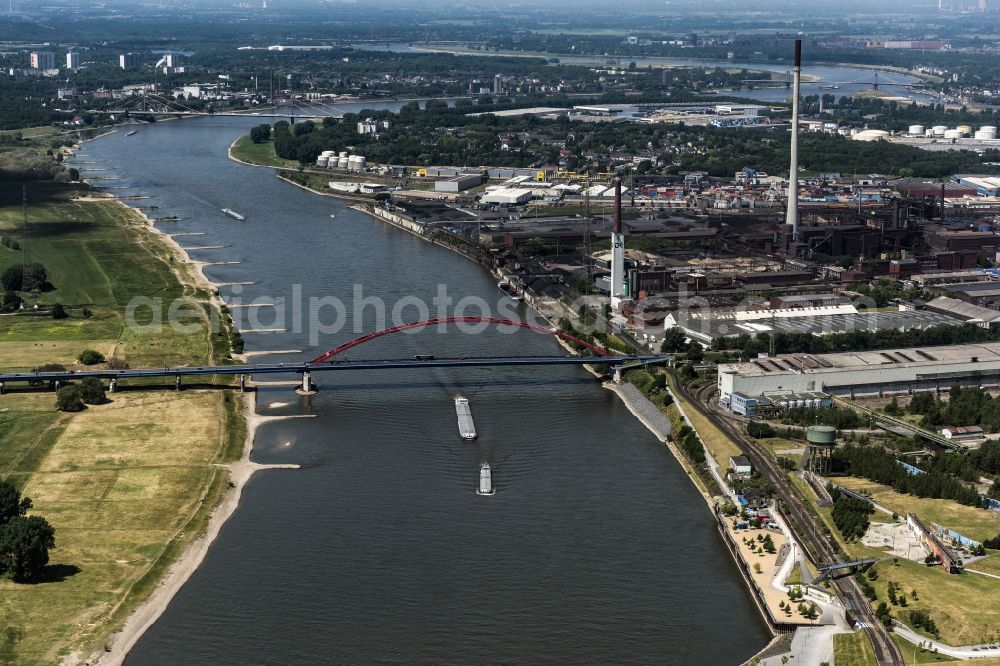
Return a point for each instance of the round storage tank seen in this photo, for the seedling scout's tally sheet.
(362, 162)
(952, 134)
(965, 130)
(352, 163)
(323, 161)
(342, 162)
(917, 130)
(821, 435)
(982, 135)
(939, 130)
(988, 128)
(343, 153)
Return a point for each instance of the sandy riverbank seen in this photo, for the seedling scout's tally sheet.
(181, 571)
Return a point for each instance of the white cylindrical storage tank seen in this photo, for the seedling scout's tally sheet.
(343, 153)
(988, 128)
(352, 163)
(342, 162)
(917, 130)
(362, 162)
(328, 153)
(323, 161)
(939, 130)
(965, 130)
(982, 135)
(929, 133)
(952, 134)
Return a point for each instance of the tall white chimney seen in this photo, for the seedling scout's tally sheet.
(617, 252)
(792, 214)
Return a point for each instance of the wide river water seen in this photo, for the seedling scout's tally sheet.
(595, 549)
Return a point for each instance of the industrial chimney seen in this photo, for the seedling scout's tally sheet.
(792, 214)
(617, 251)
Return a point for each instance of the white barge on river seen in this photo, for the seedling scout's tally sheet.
(485, 480)
(466, 427)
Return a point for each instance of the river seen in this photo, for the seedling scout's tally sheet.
(596, 548)
(836, 80)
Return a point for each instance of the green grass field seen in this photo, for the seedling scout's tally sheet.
(260, 153)
(853, 650)
(129, 484)
(99, 255)
(961, 605)
(978, 524)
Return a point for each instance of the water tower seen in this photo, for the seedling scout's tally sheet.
(821, 440)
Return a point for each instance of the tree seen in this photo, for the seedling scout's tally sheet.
(58, 311)
(24, 547)
(69, 399)
(12, 504)
(11, 302)
(90, 357)
(92, 391)
(674, 341)
(695, 353)
(22, 277)
(260, 133)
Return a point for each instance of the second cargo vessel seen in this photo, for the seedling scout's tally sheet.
(466, 427)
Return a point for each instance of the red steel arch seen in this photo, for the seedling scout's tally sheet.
(339, 349)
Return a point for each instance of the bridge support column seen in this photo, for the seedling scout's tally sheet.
(55, 385)
(243, 383)
(177, 383)
(617, 375)
(307, 388)
(113, 386)
(1, 388)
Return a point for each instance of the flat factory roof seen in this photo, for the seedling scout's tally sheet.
(930, 358)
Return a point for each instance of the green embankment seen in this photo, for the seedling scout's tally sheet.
(128, 484)
(853, 650)
(261, 154)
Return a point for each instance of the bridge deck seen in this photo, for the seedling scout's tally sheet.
(279, 368)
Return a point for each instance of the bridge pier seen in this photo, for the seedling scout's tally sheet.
(617, 375)
(307, 388)
(177, 383)
(243, 383)
(113, 386)
(1, 388)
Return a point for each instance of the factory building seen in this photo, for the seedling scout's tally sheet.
(967, 312)
(712, 324)
(505, 196)
(459, 183)
(864, 373)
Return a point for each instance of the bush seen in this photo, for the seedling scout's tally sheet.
(92, 391)
(759, 430)
(90, 357)
(69, 399)
(116, 363)
(58, 311)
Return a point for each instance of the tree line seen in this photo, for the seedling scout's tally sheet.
(879, 465)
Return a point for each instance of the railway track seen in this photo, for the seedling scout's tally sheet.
(804, 525)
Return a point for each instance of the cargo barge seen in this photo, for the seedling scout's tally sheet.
(466, 427)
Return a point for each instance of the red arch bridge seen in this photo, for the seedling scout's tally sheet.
(332, 360)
